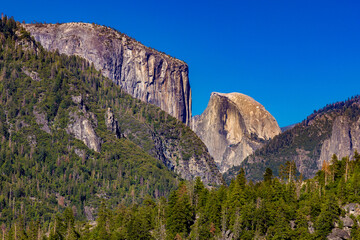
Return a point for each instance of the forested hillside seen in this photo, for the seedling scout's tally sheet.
(67, 137)
(43, 167)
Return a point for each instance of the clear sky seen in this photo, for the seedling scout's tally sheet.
(291, 56)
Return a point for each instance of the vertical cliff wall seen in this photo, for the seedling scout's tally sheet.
(145, 73)
(344, 140)
(232, 126)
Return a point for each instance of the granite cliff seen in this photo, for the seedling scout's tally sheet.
(232, 126)
(344, 140)
(144, 73)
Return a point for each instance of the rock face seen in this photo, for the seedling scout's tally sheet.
(202, 165)
(344, 140)
(34, 75)
(352, 208)
(338, 234)
(111, 123)
(143, 72)
(232, 126)
(82, 129)
(82, 125)
(42, 121)
(170, 141)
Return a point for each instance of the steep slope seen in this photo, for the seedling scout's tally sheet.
(331, 130)
(142, 72)
(62, 141)
(232, 126)
(148, 75)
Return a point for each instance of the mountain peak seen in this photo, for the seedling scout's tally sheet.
(232, 126)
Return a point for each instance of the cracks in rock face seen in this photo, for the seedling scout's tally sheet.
(126, 62)
(350, 140)
(160, 152)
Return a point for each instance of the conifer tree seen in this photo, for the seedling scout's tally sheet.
(180, 215)
(268, 175)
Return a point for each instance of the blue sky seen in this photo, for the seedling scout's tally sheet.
(291, 56)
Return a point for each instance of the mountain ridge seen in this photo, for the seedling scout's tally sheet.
(333, 129)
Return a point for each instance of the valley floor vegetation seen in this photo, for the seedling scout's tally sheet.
(285, 208)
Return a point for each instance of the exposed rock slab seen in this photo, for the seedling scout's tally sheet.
(33, 75)
(196, 166)
(143, 72)
(352, 209)
(111, 123)
(42, 121)
(338, 234)
(82, 128)
(347, 222)
(344, 140)
(232, 126)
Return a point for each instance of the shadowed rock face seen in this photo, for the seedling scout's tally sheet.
(144, 73)
(232, 126)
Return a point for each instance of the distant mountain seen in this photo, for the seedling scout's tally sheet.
(233, 126)
(334, 129)
(71, 137)
(283, 129)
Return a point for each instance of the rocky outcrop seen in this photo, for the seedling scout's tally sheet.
(82, 126)
(89, 213)
(344, 140)
(233, 126)
(352, 209)
(346, 223)
(197, 165)
(41, 119)
(111, 123)
(143, 72)
(338, 234)
(33, 75)
(174, 144)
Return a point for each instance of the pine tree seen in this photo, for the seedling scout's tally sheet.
(268, 175)
(180, 215)
(288, 171)
(199, 193)
(330, 212)
(69, 222)
(101, 232)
